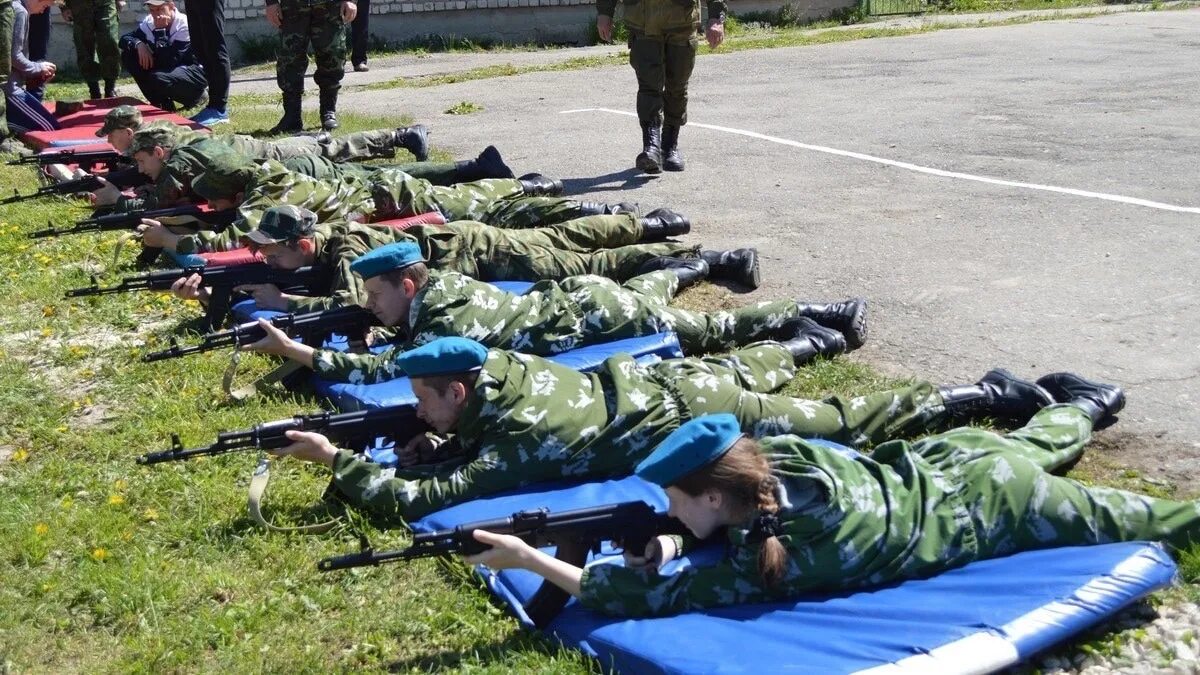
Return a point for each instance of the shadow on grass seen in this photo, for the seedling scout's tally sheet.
(482, 653)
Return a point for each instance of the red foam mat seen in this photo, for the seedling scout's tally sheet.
(82, 126)
(238, 256)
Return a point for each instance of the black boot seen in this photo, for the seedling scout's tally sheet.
(110, 89)
(810, 340)
(329, 110)
(93, 89)
(662, 223)
(415, 139)
(537, 185)
(602, 209)
(740, 265)
(849, 318)
(650, 159)
(1099, 401)
(672, 159)
(689, 270)
(999, 394)
(489, 164)
(291, 122)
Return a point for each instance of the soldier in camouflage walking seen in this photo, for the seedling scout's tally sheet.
(802, 518)
(662, 51)
(552, 317)
(520, 419)
(321, 24)
(94, 24)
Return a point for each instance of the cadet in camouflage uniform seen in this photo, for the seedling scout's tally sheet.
(97, 52)
(845, 521)
(321, 23)
(520, 419)
(122, 121)
(171, 168)
(662, 51)
(488, 164)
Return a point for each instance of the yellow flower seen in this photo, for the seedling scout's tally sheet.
(99, 554)
(46, 332)
(116, 500)
(150, 514)
(48, 310)
(20, 455)
(127, 535)
(118, 484)
(62, 430)
(46, 588)
(41, 529)
(67, 502)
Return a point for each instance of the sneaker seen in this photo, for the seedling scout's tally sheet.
(361, 67)
(210, 117)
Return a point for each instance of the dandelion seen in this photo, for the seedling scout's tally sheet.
(46, 588)
(62, 429)
(99, 554)
(116, 500)
(150, 514)
(67, 503)
(41, 529)
(46, 332)
(20, 455)
(49, 311)
(118, 484)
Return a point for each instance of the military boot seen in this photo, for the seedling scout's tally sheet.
(329, 120)
(291, 122)
(602, 209)
(998, 394)
(93, 89)
(1099, 401)
(810, 340)
(415, 139)
(489, 164)
(537, 185)
(849, 318)
(740, 265)
(650, 159)
(672, 159)
(662, 223)
(689, 270)
(110, 89)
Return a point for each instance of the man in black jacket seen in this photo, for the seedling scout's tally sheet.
(158, 54)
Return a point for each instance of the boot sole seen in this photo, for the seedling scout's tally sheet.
(856, 333)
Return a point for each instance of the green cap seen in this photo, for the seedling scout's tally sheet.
(121, 117)
(283, 223)
(148, 139)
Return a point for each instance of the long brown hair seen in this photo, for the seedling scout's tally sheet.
(743, 476)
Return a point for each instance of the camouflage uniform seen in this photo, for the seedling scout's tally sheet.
(336, 248)
(553, 317)
(530, 420)
(324, 168)
(910, 510)
(174, 183)
(97, 52)
(6, 35)
(317, 22)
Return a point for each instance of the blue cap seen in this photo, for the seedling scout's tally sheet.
(692, 446)
(387, 258)
(443, 356)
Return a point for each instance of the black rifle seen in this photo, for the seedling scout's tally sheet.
(208, 220)
(86, 159)
(220, 278)
(399, 422)
(574, 533)
(67, 187)
(310, 327)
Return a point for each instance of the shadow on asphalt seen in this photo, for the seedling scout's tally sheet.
(627, 179)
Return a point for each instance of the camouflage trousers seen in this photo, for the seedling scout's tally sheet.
(348, 148)
(325, 168)
(1016, 504)
(598, 245)
(644, 304)
(740, 383)
(321, 26)
(663, 64)
(94, 26)
(499, 202)
(6, 34)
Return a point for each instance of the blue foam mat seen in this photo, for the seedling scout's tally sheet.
(979, 618)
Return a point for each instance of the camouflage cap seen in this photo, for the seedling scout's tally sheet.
(283, 223)
(148, 139)
(121, 117)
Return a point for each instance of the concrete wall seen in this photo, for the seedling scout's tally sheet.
(548, 21)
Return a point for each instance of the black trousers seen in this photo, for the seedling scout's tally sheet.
(37, 44)
(184, 84)
(206, 22)
(358, 33)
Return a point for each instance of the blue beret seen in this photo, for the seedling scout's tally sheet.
(443, 356)
(690, 447)
(387, 258)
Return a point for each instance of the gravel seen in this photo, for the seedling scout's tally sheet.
(1142, 640)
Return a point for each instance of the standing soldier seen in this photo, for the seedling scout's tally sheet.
(662, 51)
(321, 23)
(96, 48)
(6, 35)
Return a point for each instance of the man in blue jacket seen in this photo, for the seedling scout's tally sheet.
(158, 54)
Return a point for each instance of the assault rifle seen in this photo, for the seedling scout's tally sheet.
(574, 533)
(67, 187)
(85, 159)
(183, 215)
(310, 328)
(350, 428)
(221, 279)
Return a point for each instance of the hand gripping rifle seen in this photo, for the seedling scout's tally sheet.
(221, 279)
(351, 428)
(85, 159)
(310, 327)
(574, 533)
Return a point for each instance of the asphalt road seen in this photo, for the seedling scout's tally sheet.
(962, 275)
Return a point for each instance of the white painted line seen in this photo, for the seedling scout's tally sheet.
(1135, 201)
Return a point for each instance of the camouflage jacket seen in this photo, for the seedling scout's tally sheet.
(338, 245)
(174, 184)
(848, 521)
(529, 420)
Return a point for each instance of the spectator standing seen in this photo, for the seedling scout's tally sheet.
(206, 23)
(25, 113)
(96, 52)
(321, 24)
(359, 37)
(37, 45)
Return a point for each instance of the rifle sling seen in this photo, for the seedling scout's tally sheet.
(242, 393)
(258, 489)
